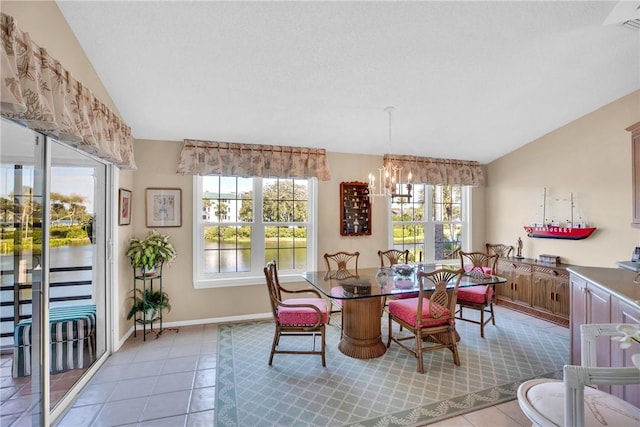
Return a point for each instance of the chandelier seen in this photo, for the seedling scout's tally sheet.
(390, 177)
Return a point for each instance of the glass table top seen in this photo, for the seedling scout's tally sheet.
(378, 282)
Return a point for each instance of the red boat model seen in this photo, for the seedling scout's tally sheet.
(559, 232)
(553, 230)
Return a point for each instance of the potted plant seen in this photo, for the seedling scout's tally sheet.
(150, 252)
(150, 303)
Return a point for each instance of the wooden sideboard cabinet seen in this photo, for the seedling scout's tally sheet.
(550, 290)
(605, 295)
(538, 289)
(635, 168)
(517, 290)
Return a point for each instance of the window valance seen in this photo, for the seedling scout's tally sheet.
(37, 91)
(428, 170)
(267, 161)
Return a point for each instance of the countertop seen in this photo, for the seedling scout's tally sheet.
(617, 281)
(633, 266)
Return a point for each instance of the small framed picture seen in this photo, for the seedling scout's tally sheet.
(164, 207)
(124, 207)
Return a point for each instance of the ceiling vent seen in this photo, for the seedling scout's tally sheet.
(625, 13)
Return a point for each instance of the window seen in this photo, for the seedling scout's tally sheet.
(242, 223)
(433, 224)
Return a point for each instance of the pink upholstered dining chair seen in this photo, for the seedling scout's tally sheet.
(340, 265)
(389, 258)
(295, 316)
(430, 316)
(480, 297)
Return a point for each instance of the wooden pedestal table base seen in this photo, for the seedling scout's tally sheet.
(361, 328)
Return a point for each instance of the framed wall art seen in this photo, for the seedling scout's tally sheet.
(355, 210)
(124, 207)
(163, 207)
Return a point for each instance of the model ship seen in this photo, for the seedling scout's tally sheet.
(555, 230)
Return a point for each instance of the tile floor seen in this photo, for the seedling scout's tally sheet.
(15, 393)
(168, 381)
(171, 382)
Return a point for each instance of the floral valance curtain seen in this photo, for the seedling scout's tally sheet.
(267, 161)
(428, 170)
(37, 91)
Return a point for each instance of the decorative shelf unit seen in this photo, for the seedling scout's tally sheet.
(355, 209)
(147, 282)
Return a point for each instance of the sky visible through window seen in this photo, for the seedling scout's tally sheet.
(64, 180)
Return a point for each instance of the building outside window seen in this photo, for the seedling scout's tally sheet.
(245, 222)
(433, 224)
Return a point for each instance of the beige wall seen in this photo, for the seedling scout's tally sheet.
(590, 157)
(122, 284)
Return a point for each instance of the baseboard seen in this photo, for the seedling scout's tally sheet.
(225, 319)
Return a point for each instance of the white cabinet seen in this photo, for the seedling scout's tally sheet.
(605, 299)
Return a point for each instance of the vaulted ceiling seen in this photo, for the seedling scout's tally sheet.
(468, 80)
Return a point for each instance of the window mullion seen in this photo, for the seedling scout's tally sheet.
(258, 228)
(428, 225)
(198, 241)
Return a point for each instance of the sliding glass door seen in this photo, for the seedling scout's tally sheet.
(53, 213)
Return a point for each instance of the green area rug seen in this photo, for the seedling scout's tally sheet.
(387, 391)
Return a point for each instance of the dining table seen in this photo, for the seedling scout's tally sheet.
(361, 296)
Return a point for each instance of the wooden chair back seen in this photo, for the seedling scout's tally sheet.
(393, 256)
(503, 251)
(273, 287)
(436, 287)
(477, 261)
(342, 265)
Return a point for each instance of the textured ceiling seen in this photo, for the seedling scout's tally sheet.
(468, 80)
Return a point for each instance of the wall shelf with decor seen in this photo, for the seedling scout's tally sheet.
(355, 209)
